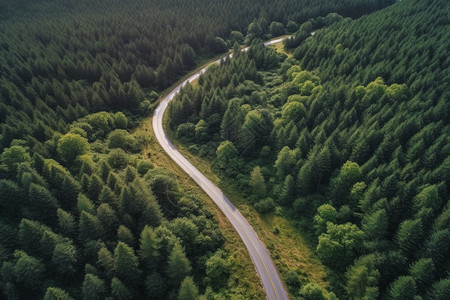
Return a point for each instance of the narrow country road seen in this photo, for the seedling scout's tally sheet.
(264, 265)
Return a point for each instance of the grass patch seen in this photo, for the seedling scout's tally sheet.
(244, 279)
(279, 47)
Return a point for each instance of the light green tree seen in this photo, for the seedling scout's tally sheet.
(340, 244)
(325, 213)
(257, 183)
(93, 288)
(178, 266)
(126, 264)
(188, 290)
(54, 293)
(71, 145)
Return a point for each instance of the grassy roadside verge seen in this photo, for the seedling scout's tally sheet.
(290, 251)
(243, 279)
(279, 47)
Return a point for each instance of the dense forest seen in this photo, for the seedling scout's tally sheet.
(350, 137)
(83, 215)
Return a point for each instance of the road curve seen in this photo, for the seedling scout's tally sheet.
(264, 265)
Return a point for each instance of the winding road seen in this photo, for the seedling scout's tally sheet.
(264, 265)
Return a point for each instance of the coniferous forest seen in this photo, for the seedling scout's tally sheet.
(349, 134)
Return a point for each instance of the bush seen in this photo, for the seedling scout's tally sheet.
(292, 26)
(265, 206)
(276, 29)
(117, 159)
(120, 138)
(276, 230)
(186, 132)
(292, 280)
(143, 166)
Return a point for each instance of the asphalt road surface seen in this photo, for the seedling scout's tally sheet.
(264, 265)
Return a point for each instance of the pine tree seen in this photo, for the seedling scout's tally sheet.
(404, 287)
(85, 204)
(54, 293)
(93, 288)
(89, 227)
(64, 258)
(423, 273)
(95, 187)
(287, 191)
(126, 264)
(257, 183)
(106, 261)
(188, 290)
(232, 120)
(28, 270)
(155, 286)
(178, 266)
(125, 235)
(409, 235)
(119, 290)
(42, 204)
(149, 248)
(108, 219)
(439, 290)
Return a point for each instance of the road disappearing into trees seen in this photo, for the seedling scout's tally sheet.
(264, 265)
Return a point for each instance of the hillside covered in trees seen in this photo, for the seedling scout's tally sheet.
(83, 215)
(350, 136)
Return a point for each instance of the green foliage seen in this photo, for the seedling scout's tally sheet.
(93, 288)
(236, 36)
(13, 156)
(403, 288)
(106, 261)
(119, 291)
(155, 286)
(54, 293)
(117, 158)
(188, 290)
(120, 138)
(325, 214)
(89, 227)
(257, 183)
(125, 235)
(440, 290)
(178, 266)
(64, 258)
(149, 248)
(42, 204)
(217, 270)
(186, 132)
(85, 204)
(70, 146)
(28, 270)
(312, 291)
(126, 264)
(422, 272)
(276, 29)
(265, 205)
(363, 278)
(227, 157)
(340, 244)
(409, 235)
